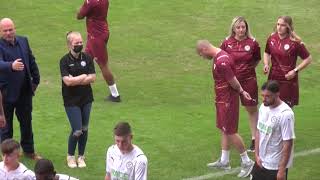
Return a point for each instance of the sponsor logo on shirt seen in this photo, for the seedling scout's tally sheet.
(264, 128)
(229, 46)
(119, 175)
(71, 65)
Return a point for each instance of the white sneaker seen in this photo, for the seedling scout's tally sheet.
(71, 161)
(246, 169)
(81, 163)
(219, 165)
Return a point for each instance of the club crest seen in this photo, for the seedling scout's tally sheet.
(286, 47)
(83, 63)
(247, 48)
(129, 165)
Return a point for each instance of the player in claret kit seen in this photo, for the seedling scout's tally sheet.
(227, 89)
(245, 50)
(96, 12)
(283, 48)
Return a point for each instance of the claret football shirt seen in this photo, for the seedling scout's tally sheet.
(245, 53)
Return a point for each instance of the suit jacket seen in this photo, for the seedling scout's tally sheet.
(7, 82)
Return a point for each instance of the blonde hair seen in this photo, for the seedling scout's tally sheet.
(290, 29)
(236, 21)
(70, 35)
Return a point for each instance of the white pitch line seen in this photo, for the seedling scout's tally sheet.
(237, 169)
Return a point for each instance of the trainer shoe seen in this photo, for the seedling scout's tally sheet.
(219, 165)
(246, 169)
(33, 156)
(251, 149)
(81, 163)
(113, 99)
(71, 161)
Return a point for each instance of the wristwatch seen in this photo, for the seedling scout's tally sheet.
(296, 70)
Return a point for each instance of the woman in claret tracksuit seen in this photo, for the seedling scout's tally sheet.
(245, 50)
(283, 48)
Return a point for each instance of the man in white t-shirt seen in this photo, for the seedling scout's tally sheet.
(10, 167)
(274, 137)
(125, 161)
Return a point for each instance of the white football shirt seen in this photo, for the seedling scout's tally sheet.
(66, 177)
(275, 125)
(129, 166)
(21, 173)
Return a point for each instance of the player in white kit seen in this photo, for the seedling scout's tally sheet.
(10, 167)
(125, 161)
(44, 170)
(274, 136)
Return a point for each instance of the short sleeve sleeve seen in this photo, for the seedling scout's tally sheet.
(29, 175)
(108, 162)
(224, 68)
(287, 126)
(141, 168)
(267, 49)
(303, 53)
(256, 52)
(63, 68)
(66, 177)
(223, 45)
(91, 69)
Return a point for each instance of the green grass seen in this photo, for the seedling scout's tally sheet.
(165, 87)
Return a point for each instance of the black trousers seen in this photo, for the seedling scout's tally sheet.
(23, 109)
(264, 174)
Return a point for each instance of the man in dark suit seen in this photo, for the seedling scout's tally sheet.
(19, 78)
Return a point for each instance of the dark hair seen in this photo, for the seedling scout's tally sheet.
(122, 129)
(9, 145)
(45, 167)
(271, 85)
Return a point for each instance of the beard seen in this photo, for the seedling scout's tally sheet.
(269, 103)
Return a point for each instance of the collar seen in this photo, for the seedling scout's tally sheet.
(9, 43)
(74, 58)
(234, 39)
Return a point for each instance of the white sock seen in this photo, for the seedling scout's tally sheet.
(114, 90)
(244, 157)
(225, 156)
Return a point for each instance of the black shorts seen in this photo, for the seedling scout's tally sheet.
(258, 173)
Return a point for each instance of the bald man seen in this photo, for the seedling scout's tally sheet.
(19, 78)
(227, 89)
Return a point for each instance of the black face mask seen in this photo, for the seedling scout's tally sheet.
(77, 48)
